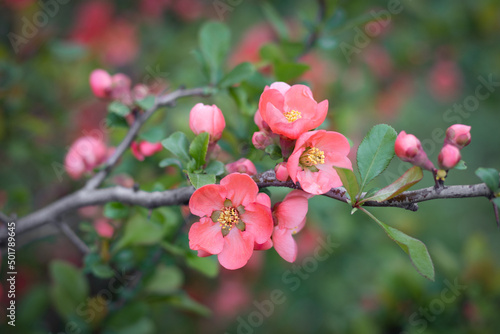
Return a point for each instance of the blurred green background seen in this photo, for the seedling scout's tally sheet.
(410, 64)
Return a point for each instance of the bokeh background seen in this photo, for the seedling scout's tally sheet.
(411, 68)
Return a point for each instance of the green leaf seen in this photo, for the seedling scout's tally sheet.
(116, 210)
(215, 167)
(461, 165)
(496, 201)
(214, 41)
(114, 120)
(184, 302)
(289, 71)
(102, 270)
(198, 148)
(146, 103)
(272, 53)
(489, 176)
(407, 180)
(199, 180)
(275, 19)
(131, 319)
(166, 279)
(153, 135)
(118, 108)
(416, 249)
(349, 182)
(141, 231)
(274, 152)
(375, 152)
(206, 265)
(178, 144)
(69, 287)
(170, 162)
(238, 74)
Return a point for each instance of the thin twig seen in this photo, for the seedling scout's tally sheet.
(71, 235)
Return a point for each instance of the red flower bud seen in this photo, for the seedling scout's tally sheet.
(448, 157)
(458, 135)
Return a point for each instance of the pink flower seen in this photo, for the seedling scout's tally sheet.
(144, 149)
(121, 88)
(100, 83)
(448, 157)
(205, 118)
(290, 218)
(104, 228)
(458, 135)
(84, 155)
(233, 220)
(409, 149)
(243, 165)
(291, 111)
(281, 172)
(312, 161)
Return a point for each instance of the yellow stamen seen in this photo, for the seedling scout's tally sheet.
(311, 157)
(292, 115)
(228, 218)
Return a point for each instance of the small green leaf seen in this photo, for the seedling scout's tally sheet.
(274, 152)
(214, 41)
(407, 180)
(289, 71)
(141, 231)
(114, 120)
(170, 162)
(153, 135)
(489, 176)
(178, 144)
(206, 265)
(198, 148)
(199, 180)
(166, 279)
(238, 74)
(215, 167)
(146, 103)
(349, 182)
(461, 165)
(102, 270)
(118, 108)
(272, 53)
(275, 19)
(416, 249)
(116, 210)
(496, 201)
(375, 152)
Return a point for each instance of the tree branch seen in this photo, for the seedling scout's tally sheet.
(162, 100)
(73, 237)
(85, 197)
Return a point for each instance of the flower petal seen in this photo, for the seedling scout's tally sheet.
(284, 244)
(241, 189)
(206, 235)
(238, 248)
(263, 199)
(258, 221)
(207, 199)
(292, 211)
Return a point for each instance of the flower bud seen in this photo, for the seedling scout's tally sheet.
(458, 135)
(281, 172)
(242, 166)
(448, 157)
(205, 118)
(261, 140)
(100, 83)
(144, 149)
(263, 126)
(84, 155)
(104, 228)
(408, 148)
(139, 92)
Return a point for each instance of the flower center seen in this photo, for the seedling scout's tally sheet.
(292, 115)
(311, 157)
(228, 217)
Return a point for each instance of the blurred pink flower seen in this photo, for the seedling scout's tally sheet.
(145, 149)
(205, 118)
(104, 228)
(445, 80)
(242, 165)
(250, 44)
(321, 73)
(85, 154)
(291, 110)
(233, 218)
(100, 83)
(312, 161)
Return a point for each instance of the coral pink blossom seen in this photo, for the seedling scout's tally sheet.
(242, 165)
(281, 172)
(291, 111)
(104, 228)
(312, 161)
(144, 149)
(290, 217)
(233, 220)
(458, 135)
(408, 148)
(448, 157)
(84, 155)
(100, 83)
(205, 118)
